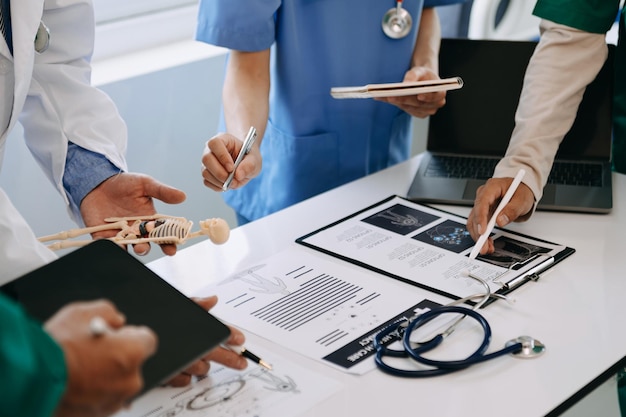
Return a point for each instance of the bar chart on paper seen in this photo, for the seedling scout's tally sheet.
(315, 305)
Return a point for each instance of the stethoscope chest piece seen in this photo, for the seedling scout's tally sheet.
(531, 348)
(42, 39)
(397, 22)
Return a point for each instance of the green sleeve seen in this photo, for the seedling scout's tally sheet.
(594, 16)
(33, 374)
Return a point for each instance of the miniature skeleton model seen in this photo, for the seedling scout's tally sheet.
(158, 228)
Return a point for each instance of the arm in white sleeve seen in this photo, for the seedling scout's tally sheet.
(62, 106)
(565, 61)
(20, 251)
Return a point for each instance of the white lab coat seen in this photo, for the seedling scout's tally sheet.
(51, 95)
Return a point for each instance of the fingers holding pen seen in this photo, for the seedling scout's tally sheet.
(488, 197)
(103, 362)
(218, 161)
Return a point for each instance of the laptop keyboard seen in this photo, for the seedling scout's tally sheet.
(563, 173)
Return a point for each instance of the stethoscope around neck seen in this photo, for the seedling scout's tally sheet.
(42, 38)
(397, 22)
(522, 347)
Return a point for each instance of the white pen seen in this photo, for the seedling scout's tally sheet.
(492, 222)
(98, 326)
(245, 148)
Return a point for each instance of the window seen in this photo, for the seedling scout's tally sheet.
(124, 26)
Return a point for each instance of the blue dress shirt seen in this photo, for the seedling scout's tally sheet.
(84, 171)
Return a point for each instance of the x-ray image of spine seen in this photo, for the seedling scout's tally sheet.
(259, 283)
(509, 252)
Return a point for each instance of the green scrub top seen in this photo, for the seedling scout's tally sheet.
(597, 16)
(32, 366)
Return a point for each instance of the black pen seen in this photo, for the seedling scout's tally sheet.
(240, 350)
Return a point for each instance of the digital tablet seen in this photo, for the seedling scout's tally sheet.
(102, 269)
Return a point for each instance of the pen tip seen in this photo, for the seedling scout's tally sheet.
(265, 365)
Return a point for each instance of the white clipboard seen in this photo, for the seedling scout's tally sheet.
(397, 89)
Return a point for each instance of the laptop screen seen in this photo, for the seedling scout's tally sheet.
(479, 118)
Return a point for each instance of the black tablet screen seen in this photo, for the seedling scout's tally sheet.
(104, 270)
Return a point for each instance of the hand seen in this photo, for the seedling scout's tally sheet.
(218, 160)
(488, 197)
(419, 105)
(127, 195)
(221, 355)
(104, 372)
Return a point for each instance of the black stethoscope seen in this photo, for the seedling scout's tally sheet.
(522, 347)
(397, 22)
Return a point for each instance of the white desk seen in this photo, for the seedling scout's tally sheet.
(576, 309)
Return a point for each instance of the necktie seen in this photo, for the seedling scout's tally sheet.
(5, 22)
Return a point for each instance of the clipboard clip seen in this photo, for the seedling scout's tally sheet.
(532, 274)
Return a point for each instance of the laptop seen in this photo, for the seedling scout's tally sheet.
(185, 331)
(470, 134)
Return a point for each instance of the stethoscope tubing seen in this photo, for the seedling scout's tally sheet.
(415, 353)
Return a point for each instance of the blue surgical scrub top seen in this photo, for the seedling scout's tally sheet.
(313, 142)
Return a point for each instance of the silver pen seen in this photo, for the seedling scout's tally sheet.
(532, 274)
(245, 149)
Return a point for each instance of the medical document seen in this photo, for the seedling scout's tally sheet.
(319, 306)
(288, 390)
(429, 248)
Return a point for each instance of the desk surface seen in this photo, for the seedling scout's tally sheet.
(576, 309)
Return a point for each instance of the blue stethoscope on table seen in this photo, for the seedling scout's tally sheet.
(522, 347)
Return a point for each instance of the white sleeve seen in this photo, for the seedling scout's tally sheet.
(62, 105)
(565, 61)
(20, 251)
